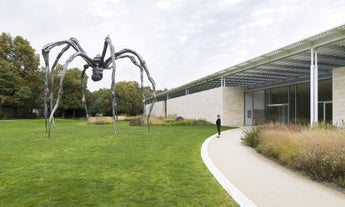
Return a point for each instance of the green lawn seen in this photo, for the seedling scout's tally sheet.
(88, 166)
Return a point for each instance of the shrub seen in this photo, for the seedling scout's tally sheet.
(279, 144)
(186, 122)
(136, 121)
(101, 120)
(319, 152)
(179, 118)
(178, 121)
(250, 137)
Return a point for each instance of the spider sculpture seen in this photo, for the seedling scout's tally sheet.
(98, 65)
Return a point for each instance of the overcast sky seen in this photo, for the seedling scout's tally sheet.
(181, 40)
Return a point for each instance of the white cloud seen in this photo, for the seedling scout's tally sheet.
(166, 5)
(180, 40)
(229, 2)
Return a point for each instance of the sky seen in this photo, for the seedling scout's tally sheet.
(180, 40)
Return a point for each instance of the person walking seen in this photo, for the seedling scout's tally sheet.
(218, 123)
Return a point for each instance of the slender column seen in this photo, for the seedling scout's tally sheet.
(316, 90)
(313, 88)
(288, 106)
(222, 82)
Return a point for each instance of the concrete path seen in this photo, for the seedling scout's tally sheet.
(253, 180)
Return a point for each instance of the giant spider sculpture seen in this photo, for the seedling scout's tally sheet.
(98, 65)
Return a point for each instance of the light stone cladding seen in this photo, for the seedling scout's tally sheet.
(227, 101)
(233, 106)
(158, 109)
(339, 96)
(202, 105)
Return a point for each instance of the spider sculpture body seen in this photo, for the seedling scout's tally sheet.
(98, 65)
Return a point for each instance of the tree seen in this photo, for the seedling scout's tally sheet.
(127, 95)
(20, 64)
(72, 90)
(38, 90)
(7, 81)
(7, 84)
(128, 98)
(20, 55)
(101, 102)
(148, 92)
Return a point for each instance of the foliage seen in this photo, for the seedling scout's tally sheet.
(127, 95)
(101, 102)
(250, 137)
(22, 96)
(72, 96)
(22, 85)
(136, 121)
(38, 91)
(318, 152)
(71, 100)
(148, 91)
(101, 120)
(161, 121)
(21, 57)
(87, 166)
(128, 98)
(19, 72)
(7, 81)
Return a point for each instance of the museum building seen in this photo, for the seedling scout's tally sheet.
(302, 83)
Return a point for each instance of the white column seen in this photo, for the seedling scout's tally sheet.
(222, 82)
(313, 88)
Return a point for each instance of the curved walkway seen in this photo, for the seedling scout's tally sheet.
(253, 180)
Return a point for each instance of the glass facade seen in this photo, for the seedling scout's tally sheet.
(288, 104)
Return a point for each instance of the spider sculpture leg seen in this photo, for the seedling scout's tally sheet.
(143, 98)
(132, 55)
(98, 65)
(49, 74)
(113, 100)
(60, 91)
(83, 86)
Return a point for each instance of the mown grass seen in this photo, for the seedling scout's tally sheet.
(318, 152)
(88, 166)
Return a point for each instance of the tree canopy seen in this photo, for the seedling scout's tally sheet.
(18, 71)
(127, 95)
(22, 85)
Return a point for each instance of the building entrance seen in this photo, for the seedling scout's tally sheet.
(278, 113)
(325, 111)
(288, 104)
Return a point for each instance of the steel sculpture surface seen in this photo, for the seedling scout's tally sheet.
(98, 65)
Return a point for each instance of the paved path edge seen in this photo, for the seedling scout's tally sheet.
(230, 188)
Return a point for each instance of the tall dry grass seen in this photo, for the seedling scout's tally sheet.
(106, 119)
(101, 120)
(318, 152)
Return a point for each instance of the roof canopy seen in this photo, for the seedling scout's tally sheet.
(287, 65)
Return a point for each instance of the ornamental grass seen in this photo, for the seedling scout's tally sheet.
(317, 152)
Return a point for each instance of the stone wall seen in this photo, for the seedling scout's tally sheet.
(227, 101)
(201, 105)
(158, 109)
(338, 96)
(233, 106)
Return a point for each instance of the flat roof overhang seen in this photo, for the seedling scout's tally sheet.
(287, 65)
